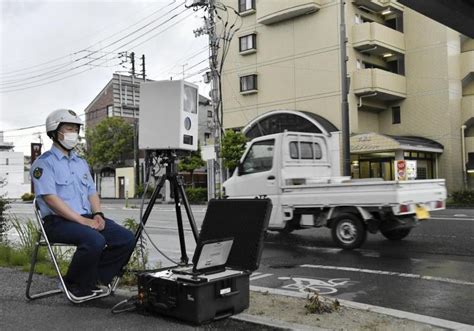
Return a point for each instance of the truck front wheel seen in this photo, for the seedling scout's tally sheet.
(348, 231)
(397, 234)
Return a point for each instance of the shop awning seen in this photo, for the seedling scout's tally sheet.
(375, 142)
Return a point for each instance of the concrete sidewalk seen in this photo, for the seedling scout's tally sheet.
(56, 313)
(268, 311)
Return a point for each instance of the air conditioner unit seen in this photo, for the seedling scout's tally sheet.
(168, 115)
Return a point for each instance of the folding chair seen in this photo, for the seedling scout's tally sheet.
(42, 240)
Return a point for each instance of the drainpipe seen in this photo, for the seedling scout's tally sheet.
(463, 151)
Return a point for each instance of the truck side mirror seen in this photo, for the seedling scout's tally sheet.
(240, 168)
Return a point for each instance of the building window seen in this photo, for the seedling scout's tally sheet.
(248, 83)
(207, 136)
(110, 111)
(209, 113)
(245, 5)
(248, 42)
(396, 117)
(6, 161)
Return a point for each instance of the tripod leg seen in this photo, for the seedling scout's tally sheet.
(189, 212)
(179, 219)
(146, 214)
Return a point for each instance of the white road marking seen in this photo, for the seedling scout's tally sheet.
(390, 273)
(451, 219)
(460, 215)
(259, 276)
(387, 311)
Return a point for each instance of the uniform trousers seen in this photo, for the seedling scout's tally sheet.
(99, 255)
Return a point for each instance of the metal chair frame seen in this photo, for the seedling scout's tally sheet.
(42, 240)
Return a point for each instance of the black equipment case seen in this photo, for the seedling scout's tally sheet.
(206, 297)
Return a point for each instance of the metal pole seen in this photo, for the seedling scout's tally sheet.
(463, 151)
(346, 148)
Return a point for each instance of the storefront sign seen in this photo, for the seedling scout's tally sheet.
(400, 170)
(410, 169)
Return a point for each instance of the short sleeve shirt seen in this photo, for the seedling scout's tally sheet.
(68, 177)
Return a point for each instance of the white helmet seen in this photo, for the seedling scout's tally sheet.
(61, 116)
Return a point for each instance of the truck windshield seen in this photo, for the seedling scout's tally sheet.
(259, 158)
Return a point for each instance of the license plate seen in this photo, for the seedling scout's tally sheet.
(422, 213)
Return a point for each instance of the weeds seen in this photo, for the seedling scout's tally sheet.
(20, 254)
(4, 205)
(139, 258)
(318, 305)
(27, 234)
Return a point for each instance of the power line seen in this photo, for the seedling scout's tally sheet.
(13, 89)
(53, 74)
(87, 49)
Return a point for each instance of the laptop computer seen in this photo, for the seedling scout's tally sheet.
(209, 257)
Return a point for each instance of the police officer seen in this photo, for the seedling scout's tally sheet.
(72, 213)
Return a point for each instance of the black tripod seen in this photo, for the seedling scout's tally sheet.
(169, 158)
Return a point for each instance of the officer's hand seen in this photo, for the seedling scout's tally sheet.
(101, 222)
(92, 223)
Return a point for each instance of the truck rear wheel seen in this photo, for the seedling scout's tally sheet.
(397, 234)
(348, 231)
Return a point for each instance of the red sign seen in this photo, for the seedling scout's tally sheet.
(35, 153)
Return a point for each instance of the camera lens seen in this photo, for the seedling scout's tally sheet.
(187, 123)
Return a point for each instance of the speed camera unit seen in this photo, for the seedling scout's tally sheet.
(168, 115)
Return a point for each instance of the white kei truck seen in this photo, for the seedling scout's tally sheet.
(299, 172)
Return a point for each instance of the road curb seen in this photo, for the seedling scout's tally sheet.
(277, 324)
(377, 309)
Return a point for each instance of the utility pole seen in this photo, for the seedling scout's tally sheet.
(215, 93)
(183, 65)
(214, 79)
(346, 148)
(132, 60)
(143, 67)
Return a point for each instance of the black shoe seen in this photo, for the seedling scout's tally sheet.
(78, 293)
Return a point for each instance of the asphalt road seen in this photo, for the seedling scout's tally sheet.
(431, 272)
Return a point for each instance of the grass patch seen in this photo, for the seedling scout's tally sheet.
(19, 255)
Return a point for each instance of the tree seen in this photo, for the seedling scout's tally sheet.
(191, 163)
(233, 146)
(109, 143)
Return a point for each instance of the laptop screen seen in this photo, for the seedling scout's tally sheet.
(212, 254)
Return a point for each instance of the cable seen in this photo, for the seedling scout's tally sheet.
(151, 165)
(94, 52)
(132, 307)
(181, 60)
(77, 73)
(87, 49)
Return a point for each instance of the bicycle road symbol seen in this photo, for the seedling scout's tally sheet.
(311, 284)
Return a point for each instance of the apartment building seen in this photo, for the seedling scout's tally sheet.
(411, 90)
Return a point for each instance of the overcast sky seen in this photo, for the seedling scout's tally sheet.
(44, 42)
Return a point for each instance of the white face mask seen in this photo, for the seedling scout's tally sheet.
(70, 140)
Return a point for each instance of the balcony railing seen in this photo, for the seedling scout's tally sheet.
(467, 109)
(384, 85)
(469, 141)
(467, 66)
(270, 12)
(377, 6)
(375, 38)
